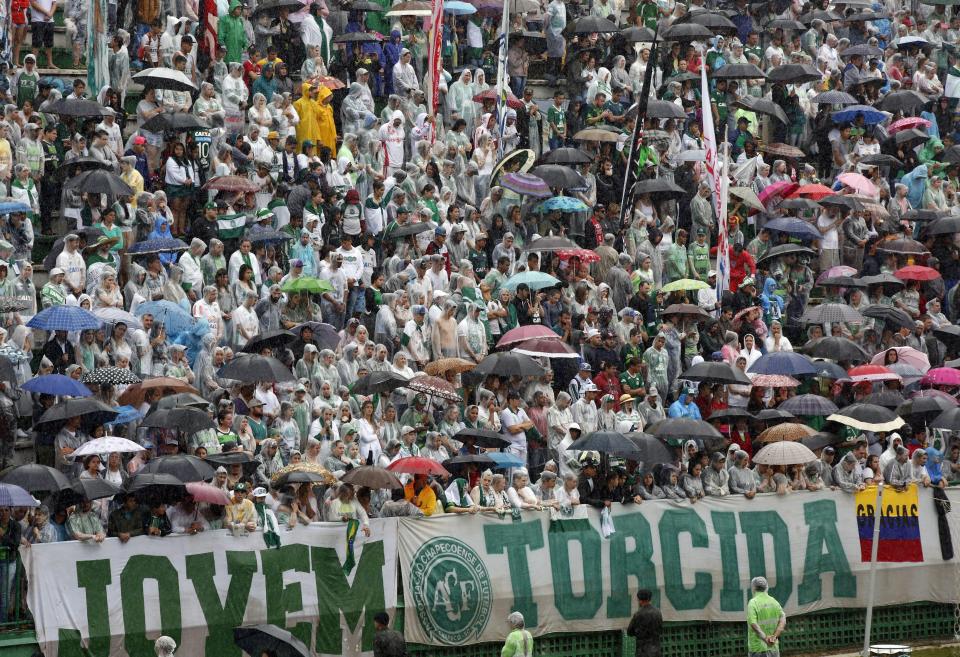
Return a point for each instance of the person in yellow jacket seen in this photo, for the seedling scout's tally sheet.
(326, 127)
(307, 109)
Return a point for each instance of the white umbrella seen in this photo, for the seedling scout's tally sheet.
(106, 445)
(164, 78)
(784, 452)
(115, 315)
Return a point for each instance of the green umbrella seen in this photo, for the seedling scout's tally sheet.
(684, 284)
(307, 284)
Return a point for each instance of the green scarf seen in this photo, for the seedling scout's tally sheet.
(269, 523)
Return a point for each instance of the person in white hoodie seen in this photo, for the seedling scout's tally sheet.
(392, 135)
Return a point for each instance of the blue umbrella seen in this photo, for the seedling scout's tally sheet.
(172, 316)
(127, 414)
(535, 280)
(871, 115)
(564, 204)
(11, 495)
(783, 362)
(794, 227)
(65, 318)
(505, 459)
(9, 205)
(163, 245)
(57, 384)
(458, 8)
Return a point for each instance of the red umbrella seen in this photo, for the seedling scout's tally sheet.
(917, 273)
(545, 348)
(772, 194)
(815, 192)
(202, 492)
(585, 255)
(872, 373)
(523, 333)
(231, 184)
(941, 376)
(491, 94)
(418, 465)
(906, 124)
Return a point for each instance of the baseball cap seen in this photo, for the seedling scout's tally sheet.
(419, 310)
(240, 487)
(440, 230)
(56, 271)
(260, 492)
(405, 429)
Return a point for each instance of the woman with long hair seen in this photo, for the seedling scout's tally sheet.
(179, 181)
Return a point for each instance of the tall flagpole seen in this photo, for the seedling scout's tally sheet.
(435, 60)
(502, 76)
(631, 175)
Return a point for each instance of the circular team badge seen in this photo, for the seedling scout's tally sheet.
(451, 590)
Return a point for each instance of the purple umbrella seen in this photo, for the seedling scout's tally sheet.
(526, 184)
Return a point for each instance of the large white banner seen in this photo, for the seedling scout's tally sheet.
(463, 575)
(115, 599)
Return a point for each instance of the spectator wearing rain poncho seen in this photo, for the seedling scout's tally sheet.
(353, 110)
(771, 302)
(268, 461)
(916, 183)
(846, 475)
(742, 481)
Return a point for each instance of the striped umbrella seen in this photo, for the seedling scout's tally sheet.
(526, 184)
(809, 406)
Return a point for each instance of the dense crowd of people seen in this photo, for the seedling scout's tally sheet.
(344, 221)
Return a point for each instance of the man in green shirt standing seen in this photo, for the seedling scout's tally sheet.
(557, 120)
(765, 621)
(675, 262)
(698, 256)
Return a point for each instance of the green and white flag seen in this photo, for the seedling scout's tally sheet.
(952, 88)
(231, 226)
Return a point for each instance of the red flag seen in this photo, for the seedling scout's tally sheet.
(436, 50)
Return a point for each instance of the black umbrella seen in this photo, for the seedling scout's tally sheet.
(863, 50)
(323, 334)
(112, 376)
(34, 477)
(731, 413)
(100, 182)
(882, 279)
(182, 466)
(274, 6)
(637, 35)
(738, 72)
(787, 249)
(834, 98)
(867, 417)
(885, 398)
(378, 382)
(372, 477)
(784, 24)
(256, 368)
(716, 373)
(482, 438)
(83, 164)
(948, 419)
(269, 639)
(87, 489)
(662, 109)
(175, 122)
(902, 101)
(892, 316)
(923, 214)
(506, 363)
(910, 136)
(263, 235)
(160, 484)
(76, 107)
(409, 229)
(825, 16)
(951, 155)
(687, 32)
(559, 176)
(794, 74)
(183, 400)
(762, 106)
(659, 186)
(269, 340)
(809, 406)
(948, 334)
(605, 442)
(820, 440)
(844, 281)
(683, 428)
(923, 410)
(717, 22)
(647, 449)
(841, 201)
(944, 226)
(93, 412)
(226, 459)
(881, 160)
(188, 420)
(774, 415)
(463, 459)
(299, 477)
(567, 155)
(591, 24)
(799, 204)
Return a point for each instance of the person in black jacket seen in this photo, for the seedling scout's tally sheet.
(60, 352)
(588, 484)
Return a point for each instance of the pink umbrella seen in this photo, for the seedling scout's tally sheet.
(773, 194)
(907, 355)
(544, 348)
(837, 270)
(906, 124)
(529, 332)
(941, 376)
(859, 183)
(202, 492)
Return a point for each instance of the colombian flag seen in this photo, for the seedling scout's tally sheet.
(899, 524)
